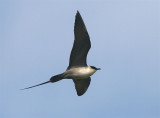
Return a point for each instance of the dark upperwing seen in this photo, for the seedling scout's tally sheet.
(81, 44)
(81, 85)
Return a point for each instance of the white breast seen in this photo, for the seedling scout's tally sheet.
(80, 72)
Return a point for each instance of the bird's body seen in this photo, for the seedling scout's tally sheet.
(78, 70)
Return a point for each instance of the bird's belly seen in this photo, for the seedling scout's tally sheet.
(83, 74)
(79, 73)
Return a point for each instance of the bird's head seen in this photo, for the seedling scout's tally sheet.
(95, 68)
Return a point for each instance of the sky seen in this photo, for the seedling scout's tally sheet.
(36, 38)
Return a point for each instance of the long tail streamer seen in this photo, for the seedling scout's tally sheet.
(36, 85)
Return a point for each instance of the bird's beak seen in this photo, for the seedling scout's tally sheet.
(98, 68)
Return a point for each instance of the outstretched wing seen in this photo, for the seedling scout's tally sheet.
(81, 85)
(81, 44)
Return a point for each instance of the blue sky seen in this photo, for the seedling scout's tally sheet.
(36, 37)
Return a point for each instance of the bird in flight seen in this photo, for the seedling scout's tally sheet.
(78, 70)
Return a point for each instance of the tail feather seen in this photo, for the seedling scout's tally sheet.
(36, 85)
(53, 79)
(56, 78)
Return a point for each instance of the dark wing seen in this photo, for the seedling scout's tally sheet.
(81, 44)
(81, 85)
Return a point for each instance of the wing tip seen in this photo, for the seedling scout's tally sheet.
(80, 94)
(78, 14)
